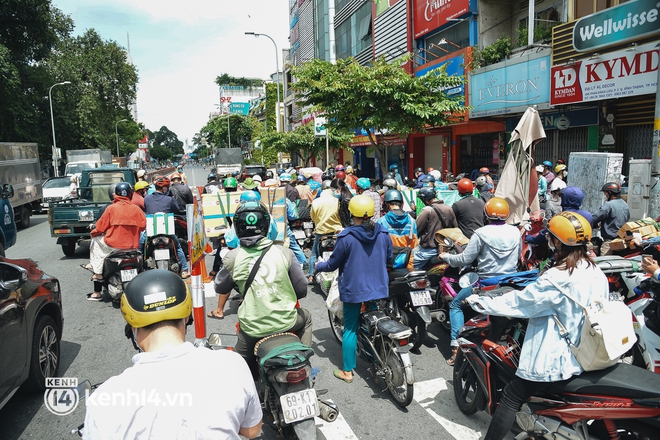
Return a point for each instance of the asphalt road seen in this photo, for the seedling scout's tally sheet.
(94, 348)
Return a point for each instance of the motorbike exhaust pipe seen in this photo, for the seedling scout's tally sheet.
(328, 411)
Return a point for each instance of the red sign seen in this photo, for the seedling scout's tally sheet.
(431, 14)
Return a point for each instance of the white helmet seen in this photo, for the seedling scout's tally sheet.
(540, 168)
(557, 184)
(436, 174)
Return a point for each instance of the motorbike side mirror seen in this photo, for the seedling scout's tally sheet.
(449, 242)
(84, 388)
(527, 227)
(467, 280)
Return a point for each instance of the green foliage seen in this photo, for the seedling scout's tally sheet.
(248, 83)
(491, 54)
(303, 143)
(235, 126)
(381, 96)
(168, 139)
(160, 152)
(542, 32)
(271, 104)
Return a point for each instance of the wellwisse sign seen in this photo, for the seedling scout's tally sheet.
(614, 75)
(626, 22)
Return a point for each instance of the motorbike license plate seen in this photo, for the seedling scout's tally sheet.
(299, 406)
(128, 274)
(326, 255)
(421, 298)
(161, 254)
(300, 235)
(308, 225)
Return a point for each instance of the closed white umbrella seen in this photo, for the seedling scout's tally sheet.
(518, 183)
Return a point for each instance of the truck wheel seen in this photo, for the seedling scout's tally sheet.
(24, 222)
(69, 248)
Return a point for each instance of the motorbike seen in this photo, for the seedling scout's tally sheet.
(383, 342)
(303, 230)
(408, 302)
(532, 256)
(160, 253)
(596, 404)
(181, 232)
(120, 267)
(645, 307)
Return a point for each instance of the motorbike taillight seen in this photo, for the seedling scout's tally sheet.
(293, 376)
(403, 342)
(419, 284)
(161, 240)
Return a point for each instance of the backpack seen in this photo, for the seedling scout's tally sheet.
(607, 333)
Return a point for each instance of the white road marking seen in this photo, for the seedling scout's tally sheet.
(339, 429)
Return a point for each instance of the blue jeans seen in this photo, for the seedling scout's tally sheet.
(351, 327)
(179, 252)
(422, 255)
(456, 317)
(295, 247)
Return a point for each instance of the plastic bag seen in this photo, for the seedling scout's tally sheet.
(333, 302)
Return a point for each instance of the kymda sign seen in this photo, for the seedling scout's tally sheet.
(629, 21)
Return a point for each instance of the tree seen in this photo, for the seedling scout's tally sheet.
(169, 140)
(220, 129)
(303, 143)
(159, 152)
(248, 83)
(381, 98)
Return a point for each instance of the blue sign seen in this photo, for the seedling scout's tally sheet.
(241, 108)
(454, 67)
(510, 89)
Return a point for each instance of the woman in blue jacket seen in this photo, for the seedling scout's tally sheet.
(363, 241)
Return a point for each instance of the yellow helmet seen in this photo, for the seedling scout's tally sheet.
(361, 206)
(154, 296)
(570, 228)
(141, 185)
(559, 168)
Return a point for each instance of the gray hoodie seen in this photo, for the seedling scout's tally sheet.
(496, 249)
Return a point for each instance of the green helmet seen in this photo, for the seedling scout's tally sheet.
(230, 184)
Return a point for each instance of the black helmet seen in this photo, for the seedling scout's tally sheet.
(612, 187)
(428, 179)
(389, 176)
(269, 174)
(251, 218)
(210, 177)
(111, 191)
(390, 183)
(325, 184)
(393, 195)
(124, 189)
(426, 194)
(418, 169)
(155, 296)
(325, 176)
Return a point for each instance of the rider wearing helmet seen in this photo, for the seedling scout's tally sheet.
(553, 205)
(561, 172)
(269, 304)
(212, 186)
(401, 226)
(118, 228)
(612, 215)
(184, 178)
(485, 171)
(340, 175)
(180, 192)
(141, 188)
(325, 215)
(553, 297)
(542, 191)
(364, 188)
(496, 250)
(435, 215)
(156, 306)
(230, 184)
(419, 175)
(364, 241)
(481, 183)
(469, 210)
(304, 191)
(291, 193)
(394, 169)
(351, 178)
(547, 173)
(162, 201)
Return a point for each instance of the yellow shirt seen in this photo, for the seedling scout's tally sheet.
(325, 213)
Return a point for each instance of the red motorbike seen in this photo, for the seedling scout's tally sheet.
(620, 402)
(532, 255)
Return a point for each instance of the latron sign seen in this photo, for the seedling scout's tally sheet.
(626, 22)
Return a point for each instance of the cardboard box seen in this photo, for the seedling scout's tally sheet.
(644, 231)
(160, 223)
(654, 234)
(634, 225)
(618, 244)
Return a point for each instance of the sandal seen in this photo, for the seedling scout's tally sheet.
(92, 297)
(452, 359)
(213, 315)
(338, 375)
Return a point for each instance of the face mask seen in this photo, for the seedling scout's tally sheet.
(135, 339)
(338, 195)
(551, 245)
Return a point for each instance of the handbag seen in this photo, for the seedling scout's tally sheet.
(607, 333)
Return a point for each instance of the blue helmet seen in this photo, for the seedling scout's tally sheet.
(211, 176)
(363, 183)
(280, 171)
(301, 179)
(393, 167)
(285, 177)
(314, 185)
(547, 163)
(250, 196)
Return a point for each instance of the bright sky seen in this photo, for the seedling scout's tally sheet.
(180, 46)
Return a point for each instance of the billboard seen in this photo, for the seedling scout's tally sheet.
(431, 14)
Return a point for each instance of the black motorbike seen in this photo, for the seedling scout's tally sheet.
(119, 268)
(303, 230)
(408, 302)
(160, 253)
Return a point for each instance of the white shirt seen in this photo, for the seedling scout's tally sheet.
(181, 393)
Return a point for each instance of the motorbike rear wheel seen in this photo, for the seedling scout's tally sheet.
(162, 264)
(467, 391)
(418, 326)
(396, 380)
(337, 327)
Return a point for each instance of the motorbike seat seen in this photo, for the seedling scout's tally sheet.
(621, 380)
(393, 329)
(614, 264)
(397, 273)
(294, 357)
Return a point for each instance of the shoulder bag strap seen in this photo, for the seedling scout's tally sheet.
(442, 222)
(255, 268)
(562, 330)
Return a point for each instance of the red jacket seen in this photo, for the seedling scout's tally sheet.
(121, 222)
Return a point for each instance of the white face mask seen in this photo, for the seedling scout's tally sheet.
(551, 245)
(135, 330)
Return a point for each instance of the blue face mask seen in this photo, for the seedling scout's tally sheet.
(338, 195)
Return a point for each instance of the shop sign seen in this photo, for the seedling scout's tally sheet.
(560, 120)
(454, 67)
(614, 75)
(613, 26)
(510, 89)
(431, 14)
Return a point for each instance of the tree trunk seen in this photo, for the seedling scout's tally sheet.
(380, 152)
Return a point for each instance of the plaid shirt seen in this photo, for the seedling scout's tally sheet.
(376, 198)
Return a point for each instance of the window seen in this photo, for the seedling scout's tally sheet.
(354, 34)
(457, 34)
(586, 7)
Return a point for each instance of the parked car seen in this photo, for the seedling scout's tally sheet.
(55, 189)
(31, 325)
(251, 171)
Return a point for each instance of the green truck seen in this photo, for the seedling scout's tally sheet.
(70, 218)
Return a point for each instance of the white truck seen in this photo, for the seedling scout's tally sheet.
(77, 160)
(228, 161)
(20, 167)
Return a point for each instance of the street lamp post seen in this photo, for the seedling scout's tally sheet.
(52, 124)
(277, 66)
(117, 134)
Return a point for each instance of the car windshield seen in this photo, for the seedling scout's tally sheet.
(58, 182)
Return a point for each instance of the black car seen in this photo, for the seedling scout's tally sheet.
(251, 171)
(31, 325)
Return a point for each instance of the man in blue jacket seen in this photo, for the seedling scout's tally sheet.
(362, 242)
